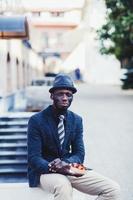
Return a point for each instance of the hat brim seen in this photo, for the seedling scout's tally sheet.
(73, 89)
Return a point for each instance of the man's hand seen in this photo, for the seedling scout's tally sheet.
(57, 165)
(61, 167)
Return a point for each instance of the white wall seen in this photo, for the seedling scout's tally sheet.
(10, 79)
(97, 68)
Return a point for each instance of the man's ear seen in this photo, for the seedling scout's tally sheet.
(51, 96)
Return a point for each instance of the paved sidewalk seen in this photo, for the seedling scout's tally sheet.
(108, 131)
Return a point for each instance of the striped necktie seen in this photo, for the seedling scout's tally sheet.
(61, 130)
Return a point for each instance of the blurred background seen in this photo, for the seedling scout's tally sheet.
(92, 41)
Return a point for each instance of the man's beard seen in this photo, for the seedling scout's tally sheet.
(61, 109)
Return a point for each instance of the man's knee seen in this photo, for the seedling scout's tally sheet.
(113, 191)
(116, 190)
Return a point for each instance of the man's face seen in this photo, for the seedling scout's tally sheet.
(62, 98)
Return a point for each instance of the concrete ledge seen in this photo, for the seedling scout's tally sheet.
(21, 191)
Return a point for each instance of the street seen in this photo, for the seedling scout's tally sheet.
(107, 113)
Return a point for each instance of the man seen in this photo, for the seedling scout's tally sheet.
(56, 149)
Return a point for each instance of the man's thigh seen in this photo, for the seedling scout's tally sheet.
(92, 183)
(50, 182)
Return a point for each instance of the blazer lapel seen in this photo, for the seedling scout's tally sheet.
(53, 131)
(67, 129)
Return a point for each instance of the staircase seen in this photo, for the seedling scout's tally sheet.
(13, 147)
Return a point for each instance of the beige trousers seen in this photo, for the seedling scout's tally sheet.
(90, 183)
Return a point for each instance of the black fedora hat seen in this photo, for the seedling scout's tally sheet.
(63, 81)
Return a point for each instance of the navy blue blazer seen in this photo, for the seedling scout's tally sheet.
(44, 146)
